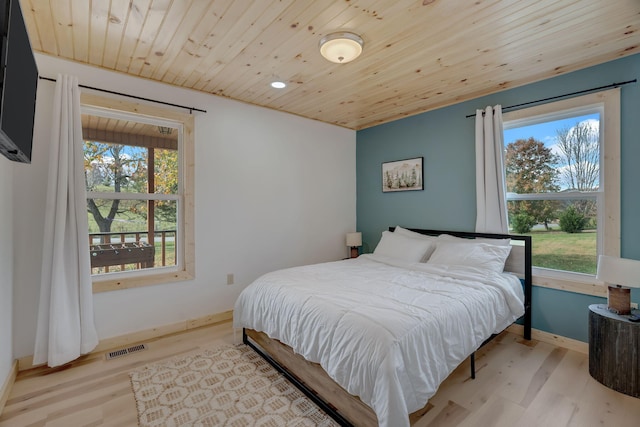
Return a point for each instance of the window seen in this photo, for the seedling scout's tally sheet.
(138, 164)
(563, 185)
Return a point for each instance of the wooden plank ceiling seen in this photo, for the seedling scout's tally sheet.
(418, 54)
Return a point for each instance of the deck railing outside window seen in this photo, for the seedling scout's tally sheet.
(122, 251)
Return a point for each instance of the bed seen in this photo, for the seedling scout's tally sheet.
(370, 339)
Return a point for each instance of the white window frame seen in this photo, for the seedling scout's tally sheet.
(608, 103)
(185, 265)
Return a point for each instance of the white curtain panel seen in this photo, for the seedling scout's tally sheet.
(490, 182)
(66, 327)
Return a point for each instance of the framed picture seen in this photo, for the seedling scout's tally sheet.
(402, 175)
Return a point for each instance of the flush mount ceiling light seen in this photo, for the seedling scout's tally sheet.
(278, 84)
(164, 130)
(341, 47)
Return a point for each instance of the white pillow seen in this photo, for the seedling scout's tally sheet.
(499, 242)
(414, 235)
(402, 247)
(480, 255)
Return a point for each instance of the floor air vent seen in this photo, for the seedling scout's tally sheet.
(124, 351)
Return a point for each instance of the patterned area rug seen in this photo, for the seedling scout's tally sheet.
(224, 386)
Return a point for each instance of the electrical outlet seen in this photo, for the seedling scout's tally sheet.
(230, 279)
(634, 305)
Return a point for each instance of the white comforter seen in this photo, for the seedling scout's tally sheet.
(389, 333)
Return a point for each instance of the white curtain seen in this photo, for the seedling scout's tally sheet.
(490, 183)
(66, 326)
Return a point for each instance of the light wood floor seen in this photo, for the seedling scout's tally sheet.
(518, 383)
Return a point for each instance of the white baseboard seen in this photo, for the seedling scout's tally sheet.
(126, 340)
(549, 338)
(8, 384)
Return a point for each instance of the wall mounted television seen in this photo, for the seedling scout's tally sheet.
(18, 84)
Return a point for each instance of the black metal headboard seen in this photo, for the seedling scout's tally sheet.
(527, 276)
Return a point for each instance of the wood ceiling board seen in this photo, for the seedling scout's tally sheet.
(416, 57)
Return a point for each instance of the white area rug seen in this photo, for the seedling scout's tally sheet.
(223, 386)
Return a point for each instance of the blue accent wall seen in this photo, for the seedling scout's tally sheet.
(445, 138)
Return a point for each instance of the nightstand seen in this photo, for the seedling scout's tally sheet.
(614, 350)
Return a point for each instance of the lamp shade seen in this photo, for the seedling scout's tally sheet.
(619, 271)
(354, 239)
(341, 47)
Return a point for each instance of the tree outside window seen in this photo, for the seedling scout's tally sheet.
(552, 172)
(133, 186)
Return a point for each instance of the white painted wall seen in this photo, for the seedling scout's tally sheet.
(6, 268)
(272, 190)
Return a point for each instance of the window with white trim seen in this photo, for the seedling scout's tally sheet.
(138, 164)
(562, 183)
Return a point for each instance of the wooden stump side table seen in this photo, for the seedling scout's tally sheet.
(614, 350)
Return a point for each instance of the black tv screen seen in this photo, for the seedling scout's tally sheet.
(19, 76)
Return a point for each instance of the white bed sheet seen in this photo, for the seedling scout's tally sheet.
(387, 332)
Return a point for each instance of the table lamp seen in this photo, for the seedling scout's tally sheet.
(354, 240)
(620, 274)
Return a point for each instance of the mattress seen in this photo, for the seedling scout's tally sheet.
(386, 331)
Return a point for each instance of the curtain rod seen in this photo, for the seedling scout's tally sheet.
(191, 109)
(564, 96)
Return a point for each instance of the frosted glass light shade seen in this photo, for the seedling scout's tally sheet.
(354, 239)
(619, 271)
(341, 47)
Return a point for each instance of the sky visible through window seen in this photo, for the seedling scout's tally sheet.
(546, 132)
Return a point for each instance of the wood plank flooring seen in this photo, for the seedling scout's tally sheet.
(518, 383)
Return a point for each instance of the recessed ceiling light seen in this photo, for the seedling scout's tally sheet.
(278, 84)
